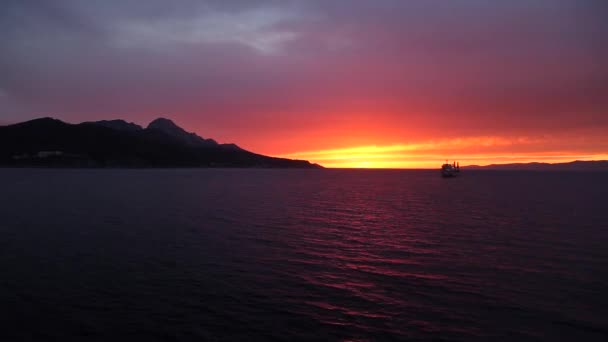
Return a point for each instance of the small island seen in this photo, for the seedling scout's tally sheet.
(49, 142)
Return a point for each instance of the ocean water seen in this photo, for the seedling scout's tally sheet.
(357, 255)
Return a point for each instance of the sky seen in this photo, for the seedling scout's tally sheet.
(345, 83)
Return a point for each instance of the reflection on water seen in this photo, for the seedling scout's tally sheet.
(302, 254)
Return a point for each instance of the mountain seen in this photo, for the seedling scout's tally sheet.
(577, 165)
(49, 142)
(179, 134)
(121, 125)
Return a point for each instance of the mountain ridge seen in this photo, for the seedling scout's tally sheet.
(49, 142)
(576, 165)
(118, 124)
(169, 127)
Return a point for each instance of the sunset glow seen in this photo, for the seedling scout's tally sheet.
(430, 155)
(342, 83)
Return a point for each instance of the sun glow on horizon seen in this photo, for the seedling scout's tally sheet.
(430, 154)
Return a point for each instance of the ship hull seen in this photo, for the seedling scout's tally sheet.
(448, 174)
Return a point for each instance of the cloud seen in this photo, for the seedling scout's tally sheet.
(255, 28)
(305, 71)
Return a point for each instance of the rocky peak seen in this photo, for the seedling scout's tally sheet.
(170, 128)
(165, 125)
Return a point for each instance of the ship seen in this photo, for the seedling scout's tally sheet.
(450, 170)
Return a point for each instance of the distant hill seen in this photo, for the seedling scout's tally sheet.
(49, 142)
(578, 165)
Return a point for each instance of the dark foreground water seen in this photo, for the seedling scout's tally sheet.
(179, 255)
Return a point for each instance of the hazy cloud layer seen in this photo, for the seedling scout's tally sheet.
(253, 71)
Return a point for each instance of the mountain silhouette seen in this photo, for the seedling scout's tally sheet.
(121, 125)
(577, 165)
(179, 134)
(49, 142)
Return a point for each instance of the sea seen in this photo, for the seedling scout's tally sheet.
(302, 255)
